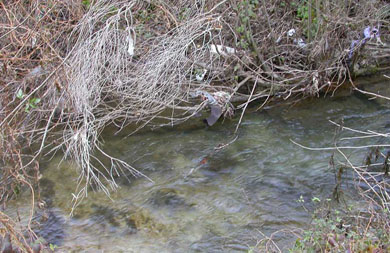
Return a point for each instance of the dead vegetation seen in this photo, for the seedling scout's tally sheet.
(364, 227)
(71, 68)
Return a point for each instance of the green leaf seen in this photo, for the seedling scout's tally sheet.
(52, 246)
(86, 3)
(16, 189)
(315, 199)
(20, 94)
(35, 101)
(251, 13)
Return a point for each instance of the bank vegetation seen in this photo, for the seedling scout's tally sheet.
(71, 68)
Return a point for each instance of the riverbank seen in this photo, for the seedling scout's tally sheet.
(73, 68)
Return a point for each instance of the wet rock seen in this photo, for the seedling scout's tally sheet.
(50, 225)
(6, 244)
(128, 221)
(106, 214)
(37, 248)
(47, 190)
(168, 197)
(113, 219)
(142, 220)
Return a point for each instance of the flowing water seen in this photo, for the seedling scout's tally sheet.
(207, 200)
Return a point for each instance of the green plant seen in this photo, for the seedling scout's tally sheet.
(307, 16)
(335, 231)
(301, 200)
(16, 189)
(20, 94)
(32, 103)
(246, 12)
(315, 199)
(86, 3)
(53, 246)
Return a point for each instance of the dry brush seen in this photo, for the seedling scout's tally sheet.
(71, 68)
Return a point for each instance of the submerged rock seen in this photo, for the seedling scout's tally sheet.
(129, 221)
(6, 245)
(47, 190)
(170, 198)
(50, 225)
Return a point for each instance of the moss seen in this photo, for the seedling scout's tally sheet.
(367, 71)
(142, 220)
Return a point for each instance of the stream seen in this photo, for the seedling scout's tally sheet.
(204, 199)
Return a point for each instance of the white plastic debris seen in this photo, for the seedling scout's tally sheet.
(33, 41)
(222, 95)
(37, 71)
(131, 43)
(76, 136)
(130, 48)
(222, 50)
(200, 75)
(300, 42)
(372, 32)
(316, 80)
(291, 32)
(230, 50)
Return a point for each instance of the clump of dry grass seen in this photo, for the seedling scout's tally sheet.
(109, 85)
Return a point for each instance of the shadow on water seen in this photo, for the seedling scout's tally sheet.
(205, 200)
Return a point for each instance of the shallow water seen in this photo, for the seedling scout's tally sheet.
(203, 200)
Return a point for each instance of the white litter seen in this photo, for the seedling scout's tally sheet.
(291, 32)
(316, 80)
(222, 50)
(130, 41)
(200, 75)
(33, 41)
(300, 42)
(222, 95)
